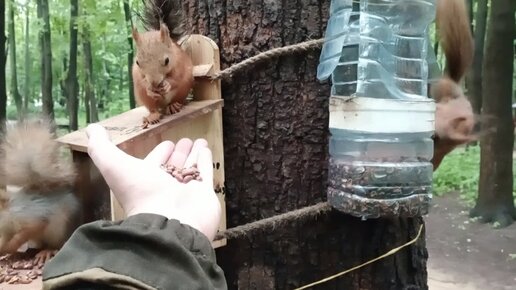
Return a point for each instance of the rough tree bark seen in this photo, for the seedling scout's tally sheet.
(15, 93)
(130, 54)
(276, 150)
(72, 85)
(475, 76)
(89, 87)
(495, 201)
(3, 91)
(46, 59)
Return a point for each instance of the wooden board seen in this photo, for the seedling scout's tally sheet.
(125, 129)
(202, 70)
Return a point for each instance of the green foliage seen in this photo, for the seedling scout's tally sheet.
(108, 36)
(459, 171)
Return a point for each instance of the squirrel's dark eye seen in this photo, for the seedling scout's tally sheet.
(137, 63)
(166, 61)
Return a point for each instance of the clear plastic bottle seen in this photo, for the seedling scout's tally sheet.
(339, 54)
(344, 77)
(394, 48)
(381, 146)
(335, 37)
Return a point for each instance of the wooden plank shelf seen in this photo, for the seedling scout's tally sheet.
(125, 129)
(203, 70)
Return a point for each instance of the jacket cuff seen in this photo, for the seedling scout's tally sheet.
(144, 251)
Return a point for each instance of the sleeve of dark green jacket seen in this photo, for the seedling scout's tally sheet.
(144, 251)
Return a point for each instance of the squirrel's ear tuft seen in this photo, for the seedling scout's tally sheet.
(164, 32)
(136, 35)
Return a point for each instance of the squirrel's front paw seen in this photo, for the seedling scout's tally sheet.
(175, 108)
(154, 95)
(165, 87)
(152, 118)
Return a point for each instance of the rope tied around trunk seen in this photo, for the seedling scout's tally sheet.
(298, 215)
(274, 221)
(228, 73)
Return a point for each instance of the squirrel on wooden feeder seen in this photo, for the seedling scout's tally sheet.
(37, 201)
(162, 71)
(454, 120)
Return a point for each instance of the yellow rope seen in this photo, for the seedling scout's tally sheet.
(391, 252)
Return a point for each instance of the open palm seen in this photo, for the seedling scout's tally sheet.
(141, 186)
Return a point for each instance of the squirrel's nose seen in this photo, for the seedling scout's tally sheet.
(157, 84)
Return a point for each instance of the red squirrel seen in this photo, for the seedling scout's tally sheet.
(162, 71)
(454, 118)
(37, 201)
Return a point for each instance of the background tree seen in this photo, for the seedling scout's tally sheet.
(3, 92)
(470, 4)
(495, 201)
(130, 53)
(89, 86)
(475, 76)
(12, 59)
(46, 59)
(276, 149)
(28, 60)
(72, 85)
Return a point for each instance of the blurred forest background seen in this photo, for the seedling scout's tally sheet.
(71, 60)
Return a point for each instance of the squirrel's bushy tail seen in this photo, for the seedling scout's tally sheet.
(167, 11)
(31, 157)
(453, 26)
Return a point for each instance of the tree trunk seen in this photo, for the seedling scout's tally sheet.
(89, 87)
(276, 158)
(475, 85)
(495, 200)
(3, 92)
(470, 5)
(46, 60)
(72, 85)
(12, 61)
(86, 103)
(106, 89)
(28, 60)
(130, 54)
(63, 99)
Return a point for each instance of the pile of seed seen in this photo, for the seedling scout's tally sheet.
(22, 271)
(183, 175)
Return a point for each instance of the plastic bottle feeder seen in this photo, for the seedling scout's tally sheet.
(380, 146)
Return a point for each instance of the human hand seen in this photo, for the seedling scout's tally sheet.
(141, 186)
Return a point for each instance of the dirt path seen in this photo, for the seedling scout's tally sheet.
(465, 254)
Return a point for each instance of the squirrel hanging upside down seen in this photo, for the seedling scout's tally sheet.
(162, 70)
(37, 202)
(454, 119)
